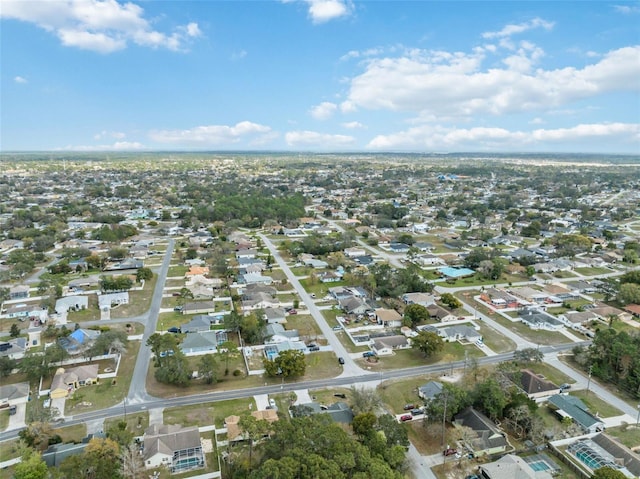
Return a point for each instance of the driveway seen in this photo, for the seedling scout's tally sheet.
(17, 421)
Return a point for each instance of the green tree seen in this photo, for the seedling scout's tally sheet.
(14, 331)
(365, 400)
(228, 349)
(629, 293)
(450, 300)
(253, 429)
(363, 424)
(99, 458)
(428, 342)
(415, 314)
(6, 366)
(174, 369)
(394, 432)
(289, 363)
(144, 274)
(31, 366)
(491, 398)
(208, 368)
(119, 433)
(32, 466)
(607, 473)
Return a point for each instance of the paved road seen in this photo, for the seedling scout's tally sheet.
(137, 389)
(213, 396)
(350, 368)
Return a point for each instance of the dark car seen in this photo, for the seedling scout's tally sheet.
(449, 452)
(313, 348)
(416, 412)
(341, 360)
(565, 386)
(178, 308)
(340, 395)
(406, 417)
(368, 354)
(409, 407)
(174, 330)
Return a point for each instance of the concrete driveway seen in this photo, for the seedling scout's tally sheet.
(17, 420)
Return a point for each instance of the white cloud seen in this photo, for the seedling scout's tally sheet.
(352, 125)
(322, 11)
(514, 29)
(422, 84)
(323, 111)
(19, 79)
(627, 9)
(213, 134)
(239, 55)
(102, 26)
(537, 121)
(118, 135)
(318, 140)
(117, 146)
(440, 138)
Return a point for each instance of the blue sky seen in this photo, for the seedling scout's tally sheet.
(320, 75)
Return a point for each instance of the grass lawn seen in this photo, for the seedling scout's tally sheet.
(326, 396)
(302, 270)
(305, 324)
(106, 394)
(477, 280)
(136, 423)
(535, 336)
(320, 365)
(620, 326)
(408, 358)
(494, 340)
(319, 289)
(177, 271)
(597, 405)
(90, 314)
(629, 435)
(396, 393)
(592, 271)
(139, 301)
(173, 318)
(4, 419)
(549, 372)
(75, 433)
(564, 274)
(208, 413)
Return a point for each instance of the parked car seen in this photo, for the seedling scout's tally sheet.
(337, 327)
(368, 354)
(341, 360)
(565, 386)
(178, 308)
(406, 417)
(272, 403)
(340, 395)
(409, 407)
(313, 348)
(416, 412)
(174, 330)
(449, 452)
(13, 409)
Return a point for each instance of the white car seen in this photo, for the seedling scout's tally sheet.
(272, 403)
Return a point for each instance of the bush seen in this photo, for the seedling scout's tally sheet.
(237, 373)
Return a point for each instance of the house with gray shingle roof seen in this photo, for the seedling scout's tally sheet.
(489, 438)
(173, 446)
(572, 407)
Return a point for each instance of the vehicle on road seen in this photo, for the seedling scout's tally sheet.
(406, 417)
(341, 360)
(565, 386)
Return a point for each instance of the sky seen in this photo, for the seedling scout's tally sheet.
(320, 75)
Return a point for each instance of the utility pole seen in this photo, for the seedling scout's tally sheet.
(589, 381)
(444, 416)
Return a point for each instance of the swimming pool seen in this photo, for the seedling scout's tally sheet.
(456, 272)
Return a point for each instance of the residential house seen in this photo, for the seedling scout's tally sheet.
(21, 311)
(489, 439)
(339, 411)
(199, 323)
(128, 264)
(441, 314)
(316, 263)
(388, 317)
(246, 253)
(529, 294)
(578, 318)
(537, 319)
(354, 252)
(232, 424)
(353, 305)
(109, 300)
(423, 299)
(398, 247)
(500, 299)
(602, 450)
(253, 301)
(459, 332)
(572, 407)
(386, 345)
(606, 312)
(274, 315)
(633, 309)
(176, 447)
(84, 282)
(533, 385)
(71, 303)
(15, 348)
(19, 291)
(199, 307)
(203, 342)
(65, 382)
(275, 333)
(511, 467)
(14, 394)
(79, 340)
(330, 277)
(430, 390)
(254, 278)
